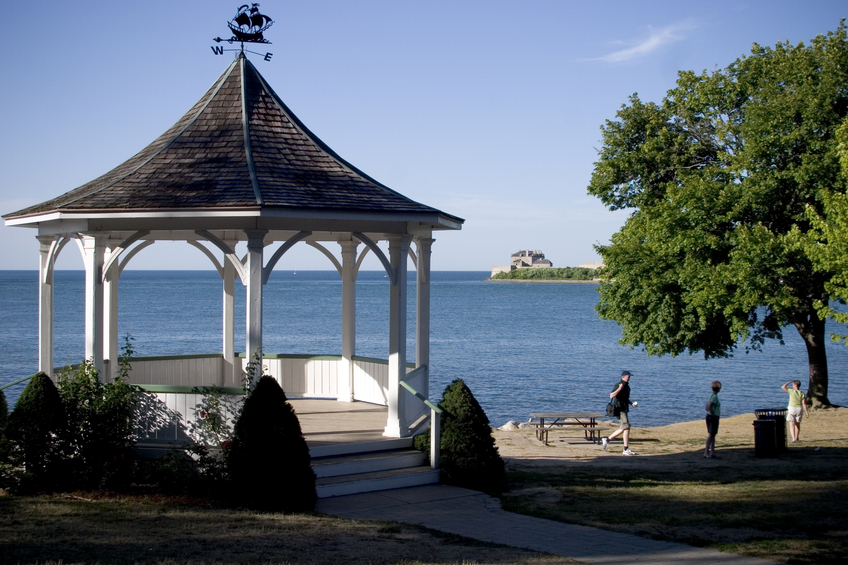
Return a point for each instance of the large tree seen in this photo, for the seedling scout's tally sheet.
(718, 177)
(827, 243)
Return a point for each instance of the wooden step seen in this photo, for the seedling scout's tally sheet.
(317, 451)
(378, 481)
(367, 462)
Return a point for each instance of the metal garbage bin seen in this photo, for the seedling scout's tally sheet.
(764, 438)
(770, 439)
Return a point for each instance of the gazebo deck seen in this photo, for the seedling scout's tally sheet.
(329, 422)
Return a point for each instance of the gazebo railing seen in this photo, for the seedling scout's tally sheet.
(175, 381)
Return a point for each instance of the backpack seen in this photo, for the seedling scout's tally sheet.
(611, 410)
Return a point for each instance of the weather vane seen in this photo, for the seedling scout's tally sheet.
(247, 26)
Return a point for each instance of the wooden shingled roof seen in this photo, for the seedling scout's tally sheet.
(238, 148)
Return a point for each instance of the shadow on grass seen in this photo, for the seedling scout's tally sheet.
(136, 529)
(789, 508)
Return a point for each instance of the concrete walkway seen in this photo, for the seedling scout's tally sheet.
(478, 516)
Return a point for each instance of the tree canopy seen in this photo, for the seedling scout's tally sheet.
(828, 242)
(724, 178)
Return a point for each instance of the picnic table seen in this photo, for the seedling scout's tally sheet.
(548, 421)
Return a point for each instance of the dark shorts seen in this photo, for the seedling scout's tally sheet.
(712, 424)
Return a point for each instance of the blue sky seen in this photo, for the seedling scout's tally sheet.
(489, 110)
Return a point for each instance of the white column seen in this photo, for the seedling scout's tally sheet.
(93, 250)
(396, 425)
(110, 320)
(255, 248)
(45, 305)
(422, 310)
(230, 376)
(345, 382)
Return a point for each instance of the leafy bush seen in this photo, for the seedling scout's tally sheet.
(268, 459)
(33, 431)
(421, 442)
(99, 440)
(212, 424)
(191, 470)
(469, 457)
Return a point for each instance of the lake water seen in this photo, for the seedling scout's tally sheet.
(520, 347)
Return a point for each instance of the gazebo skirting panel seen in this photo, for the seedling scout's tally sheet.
(177, 383)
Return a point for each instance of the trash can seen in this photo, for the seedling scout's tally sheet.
(764, 438)
(770, 439)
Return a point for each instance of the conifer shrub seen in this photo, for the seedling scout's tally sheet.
(268, 459)
(469, 457)
(4, 413)
(5, 467)
(34, 432)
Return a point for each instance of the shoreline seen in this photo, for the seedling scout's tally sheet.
(542, 281)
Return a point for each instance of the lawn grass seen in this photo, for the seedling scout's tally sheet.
(111, 528)
(793, 516)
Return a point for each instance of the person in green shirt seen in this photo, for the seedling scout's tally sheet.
(713, 416)
(797, 402)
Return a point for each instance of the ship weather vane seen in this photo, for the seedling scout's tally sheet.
(247, 26)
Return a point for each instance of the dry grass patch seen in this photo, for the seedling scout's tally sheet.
(107, 528)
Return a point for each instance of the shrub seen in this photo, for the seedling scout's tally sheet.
(421, 442)
(191, 470)
(214, 415)
(4, 413)
(268, 459)
(469, 457)
(99, 439)
(4, 416)
(33, 432)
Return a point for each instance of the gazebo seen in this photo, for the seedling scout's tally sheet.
(240, 167)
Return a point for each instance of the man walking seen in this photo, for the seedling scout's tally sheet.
(620, 396)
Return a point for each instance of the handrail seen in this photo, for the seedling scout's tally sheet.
(435, 419)
(19, 381)
(421, 397)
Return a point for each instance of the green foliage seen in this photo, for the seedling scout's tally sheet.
(4, 412)
(214, 415)
(548, 274)
(99, 439)
(827, 242)
(4, 417)
(34, 430)
(192, 470)
(720, 177)
(127, 351)
(469, 457)
(253, 371)
(268, 459)
(421, 442)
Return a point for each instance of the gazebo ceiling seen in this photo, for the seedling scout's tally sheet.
(239, 159)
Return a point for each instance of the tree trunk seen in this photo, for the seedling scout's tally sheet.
(811, 329)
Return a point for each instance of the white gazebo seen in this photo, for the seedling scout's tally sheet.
(240, 167)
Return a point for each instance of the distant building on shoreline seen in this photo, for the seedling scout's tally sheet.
(527, 259)
(524, 259)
